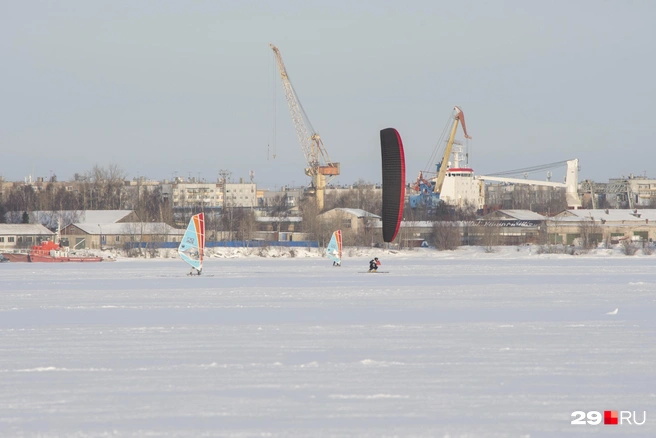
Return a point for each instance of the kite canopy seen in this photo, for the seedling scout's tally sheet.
(393, 160)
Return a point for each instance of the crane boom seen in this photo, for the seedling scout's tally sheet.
(458, 117)
(570, 185)
(318, 162)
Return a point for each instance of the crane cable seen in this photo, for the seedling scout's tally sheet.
(438, 147)
(274, 119)
(529, 169)
(320, 153)
(305, 116)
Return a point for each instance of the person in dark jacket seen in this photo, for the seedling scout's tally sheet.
(373, 265)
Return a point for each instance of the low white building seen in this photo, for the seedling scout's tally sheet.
(51, 219)
(94, 236)
(605, 225)
(16, 236)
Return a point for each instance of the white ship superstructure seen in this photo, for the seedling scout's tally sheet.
(461, 187)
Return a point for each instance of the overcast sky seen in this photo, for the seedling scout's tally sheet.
(190, 87)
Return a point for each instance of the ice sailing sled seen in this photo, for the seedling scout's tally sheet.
(334, 249)
(192, 247)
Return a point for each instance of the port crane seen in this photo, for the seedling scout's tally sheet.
(319, 165)
(570, 185)
(429, 190)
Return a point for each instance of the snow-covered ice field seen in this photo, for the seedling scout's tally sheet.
(446, 344)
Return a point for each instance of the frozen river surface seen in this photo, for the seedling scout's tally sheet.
(464, 346)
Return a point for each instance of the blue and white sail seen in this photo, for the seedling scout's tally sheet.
(334, 248)
(192, 246)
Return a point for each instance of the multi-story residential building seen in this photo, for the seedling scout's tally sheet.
(287, 197)
(192, 193)
(240, 194)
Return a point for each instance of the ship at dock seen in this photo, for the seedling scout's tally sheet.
(49, 251)
(455, 185)
(453, 182)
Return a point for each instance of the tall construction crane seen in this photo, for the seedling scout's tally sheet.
(319, 165)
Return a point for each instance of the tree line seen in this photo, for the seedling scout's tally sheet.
(101, 188)
(104, 188)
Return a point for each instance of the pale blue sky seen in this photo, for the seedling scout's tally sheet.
(164, 86)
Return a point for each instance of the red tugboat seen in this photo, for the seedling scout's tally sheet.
(49, 251)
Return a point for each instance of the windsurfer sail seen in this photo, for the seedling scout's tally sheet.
(334, 249)
(192, 247)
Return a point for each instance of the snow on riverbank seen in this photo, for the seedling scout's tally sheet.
(465, 252)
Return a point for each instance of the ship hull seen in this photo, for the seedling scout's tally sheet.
(62, 259)
(46, 258)
(16, 257)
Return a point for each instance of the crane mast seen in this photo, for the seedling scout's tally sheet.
(458, 117)
(319, 164)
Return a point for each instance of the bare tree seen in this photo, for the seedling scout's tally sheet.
(628, 247)
(445, 235)
(67, 200)
(159, 233)
(228, 219)
(590, 233)
(367, 235)
(312, 224)
(246, 224)
(21, 198)
(466, 212)
(333, 223)
(362, 195)
(46, 198)
(279, 210)
(152, 207)
(103, 188)
(134, 233)
(490, 236)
